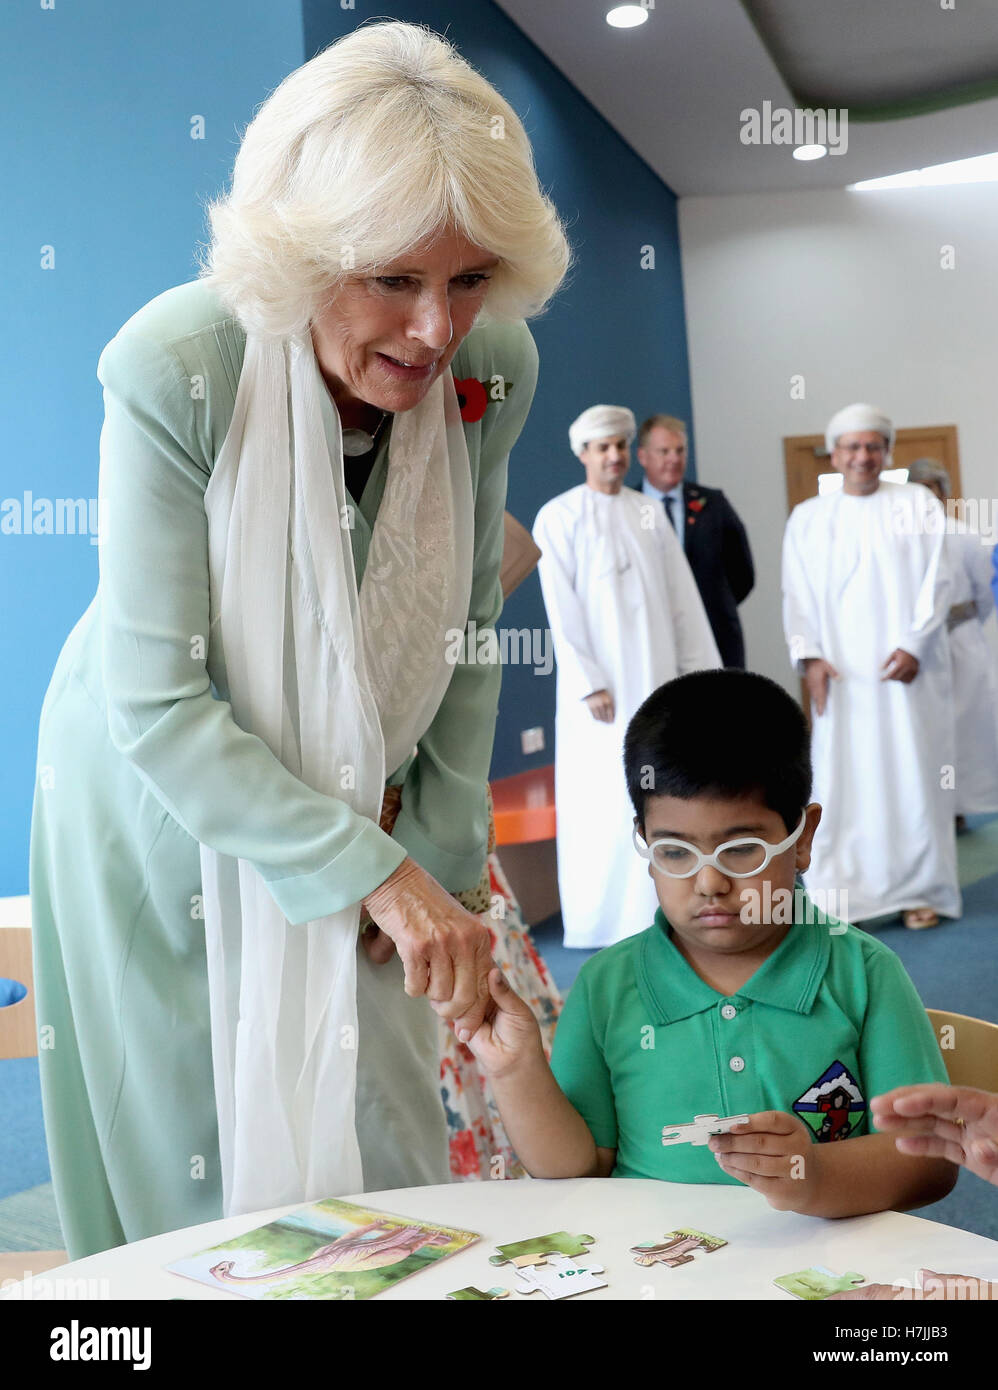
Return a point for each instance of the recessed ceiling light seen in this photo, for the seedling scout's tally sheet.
(626, 16)
(810, 152)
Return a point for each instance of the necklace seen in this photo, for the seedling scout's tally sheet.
(357, 442)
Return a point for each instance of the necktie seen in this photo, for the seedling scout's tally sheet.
(669, 501)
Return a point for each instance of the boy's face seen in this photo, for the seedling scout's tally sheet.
(705, 911)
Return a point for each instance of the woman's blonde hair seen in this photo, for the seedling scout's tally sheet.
(381, 140)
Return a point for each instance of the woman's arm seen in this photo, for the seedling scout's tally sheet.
(222, 785)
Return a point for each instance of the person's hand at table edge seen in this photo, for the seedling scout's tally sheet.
(958, 1123)
(952, 1287)
(446, 950)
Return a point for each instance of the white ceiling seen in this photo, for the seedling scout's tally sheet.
(879, 52)
(675, 87)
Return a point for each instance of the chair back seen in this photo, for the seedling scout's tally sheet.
(969, 1047)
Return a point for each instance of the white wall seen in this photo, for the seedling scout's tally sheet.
(846, 289)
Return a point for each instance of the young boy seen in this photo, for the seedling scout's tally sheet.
(736, 1000)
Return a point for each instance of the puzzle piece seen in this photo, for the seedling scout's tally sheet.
(561, 1278)
(817, 1282)
(700, 1130)
(473, 1295)
(523, 1253)
(677, 1248)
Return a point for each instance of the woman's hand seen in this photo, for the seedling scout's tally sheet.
(446, 951)
(954, 1122)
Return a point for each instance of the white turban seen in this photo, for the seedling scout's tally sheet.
(859, 417)
(601, 422)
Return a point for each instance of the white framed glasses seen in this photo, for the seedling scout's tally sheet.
(734, 859)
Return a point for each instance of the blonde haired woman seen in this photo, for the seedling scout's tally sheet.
(303, 474)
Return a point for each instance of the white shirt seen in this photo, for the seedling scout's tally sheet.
(863, 575)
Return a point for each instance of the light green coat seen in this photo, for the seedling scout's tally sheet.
(139, 760)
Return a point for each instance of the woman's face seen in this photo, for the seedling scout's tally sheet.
(385, 339)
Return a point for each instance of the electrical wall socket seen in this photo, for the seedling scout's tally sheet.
(532, 740)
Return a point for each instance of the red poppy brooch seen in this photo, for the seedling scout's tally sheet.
(474, 397)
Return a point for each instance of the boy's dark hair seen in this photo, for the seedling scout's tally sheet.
(720, 733)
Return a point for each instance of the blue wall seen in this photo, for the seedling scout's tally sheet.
(96, 100)
(616, 334)
(104, 171)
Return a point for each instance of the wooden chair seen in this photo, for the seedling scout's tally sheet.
(19, 1038)
(970, 1051)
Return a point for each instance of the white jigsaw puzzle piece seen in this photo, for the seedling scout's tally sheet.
(700, 1130)
(561, 1277)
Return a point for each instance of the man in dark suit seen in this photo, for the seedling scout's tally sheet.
(708, 528)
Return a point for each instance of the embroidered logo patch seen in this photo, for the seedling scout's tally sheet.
(833, 1106)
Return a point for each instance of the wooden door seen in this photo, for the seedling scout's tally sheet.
(805, 458)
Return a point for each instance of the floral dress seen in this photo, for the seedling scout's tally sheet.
(479, 1147)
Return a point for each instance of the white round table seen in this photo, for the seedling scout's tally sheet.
(762, 1243)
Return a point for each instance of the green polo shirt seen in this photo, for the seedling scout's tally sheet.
(828, 1021)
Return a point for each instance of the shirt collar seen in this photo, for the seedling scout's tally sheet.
(671, 989)
(676, 492)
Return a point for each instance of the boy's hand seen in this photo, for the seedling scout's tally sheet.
(509, 1033)
(940, 1121)
(773, 1153)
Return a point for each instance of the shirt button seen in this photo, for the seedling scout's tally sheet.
(728, 1011)
(737, 1064)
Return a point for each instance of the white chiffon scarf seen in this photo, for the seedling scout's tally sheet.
(340, 686)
